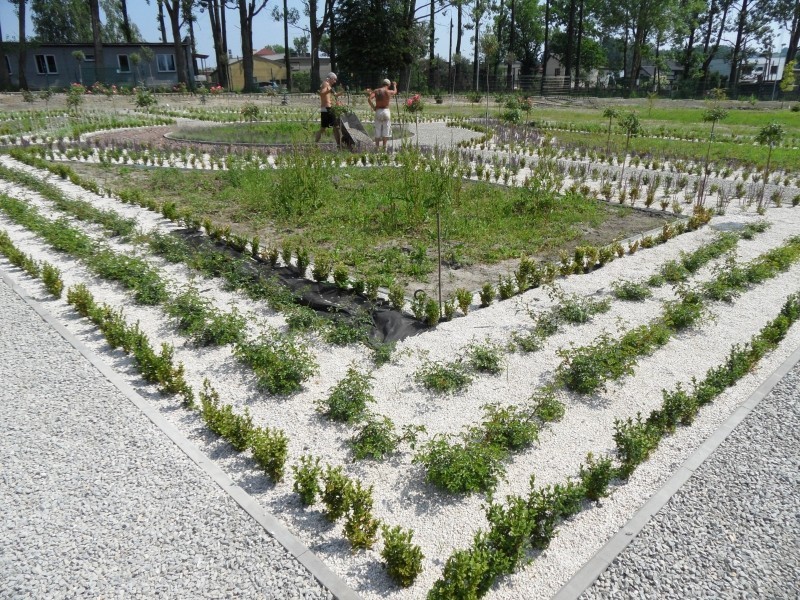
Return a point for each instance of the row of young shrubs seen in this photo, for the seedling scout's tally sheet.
(526, 524)
(341, 495)
(279, 362)
(585, 369)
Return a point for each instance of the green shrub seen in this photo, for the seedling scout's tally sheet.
(635, 441)
(686, 311)
(306, 479)
(465, 576)
(464, 299)
(596, 476)
(485, 358)
(403, 558)
(677, 407)
(509, 428)
(280, 363)
(508, 536)
(81, 299)
(397, 296)
(546, 406)
(375, 440)
(51, 277)
(487, 294)
(443, 377)
(629, 290)
(336, 496)
(464, 467)
(360, 526)
(270, 451)
(347, 401)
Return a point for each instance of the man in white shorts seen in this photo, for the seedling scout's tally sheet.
(379, 100)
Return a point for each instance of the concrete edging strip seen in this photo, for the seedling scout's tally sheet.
(327, 578)
(596, 565)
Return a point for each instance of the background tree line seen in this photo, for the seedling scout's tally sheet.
(367, 40)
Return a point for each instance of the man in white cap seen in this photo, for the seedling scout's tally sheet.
(379, 100)
(327, 118)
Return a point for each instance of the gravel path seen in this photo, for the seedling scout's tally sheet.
(733, 531)
(98, 502)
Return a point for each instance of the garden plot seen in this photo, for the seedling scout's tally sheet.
(443, 523)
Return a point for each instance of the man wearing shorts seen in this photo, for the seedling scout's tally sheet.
(379, 100)
(327, 119)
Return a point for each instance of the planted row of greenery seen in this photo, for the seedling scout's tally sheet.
(111, 221)
(346, 498)
(585, 369)
(50, 274)
(525, 524)
(132, 272)
(341, 495)
(279, 362)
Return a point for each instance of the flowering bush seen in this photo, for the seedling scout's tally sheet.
(216, 89)
(180, 88)
(414, 104)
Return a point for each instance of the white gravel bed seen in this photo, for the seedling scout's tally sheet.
(443, 523)
(98, 502)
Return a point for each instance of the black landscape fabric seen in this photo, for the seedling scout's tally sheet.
(327, 299)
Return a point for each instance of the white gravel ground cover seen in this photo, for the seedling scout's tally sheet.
(443, 523)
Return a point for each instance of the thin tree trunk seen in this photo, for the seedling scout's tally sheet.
(94, 6)
(5, 76)
(546, 45)
(737, 49)
(286, 55)
(23, 47)
(174, 11)
(247, 47)
(431, 49)
(190, 19)
(512, 43)
(477, 68)
(161, 23)
(794, 34)
(126, 24)
(459, 33)
(216, 32)
(569, 54)
(580, 39)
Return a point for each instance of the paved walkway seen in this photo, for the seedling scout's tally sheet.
(97, 500)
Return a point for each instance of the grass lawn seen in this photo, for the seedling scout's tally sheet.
(381, 220)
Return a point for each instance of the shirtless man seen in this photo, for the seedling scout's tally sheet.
(379, 100)
(327, 119)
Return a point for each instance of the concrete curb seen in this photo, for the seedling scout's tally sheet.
(327, 578)
(595, 567)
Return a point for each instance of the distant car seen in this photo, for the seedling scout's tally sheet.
(269, 86)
